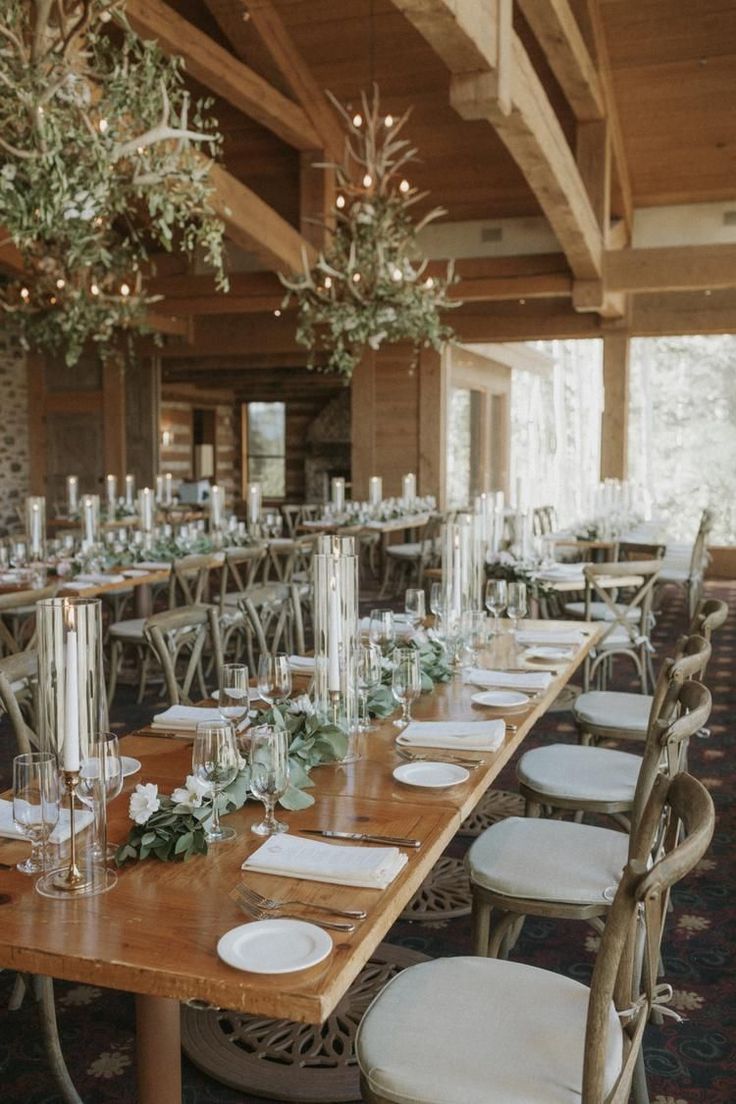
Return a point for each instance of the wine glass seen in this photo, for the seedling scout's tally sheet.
(274, 677)
(369, 676)
(381, 629)
(437, 599)
(35, 804)
(215, 760)
(100, 780)
(406, 682)
(414, 606)
(496, 598)
(516, 604)
(233, 701)
(473, 629)
(269, 774)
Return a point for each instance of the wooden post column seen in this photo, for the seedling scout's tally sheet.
(615, 421)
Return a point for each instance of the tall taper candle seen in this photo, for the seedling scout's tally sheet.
(72, 495)
(333, 641)
(254, 503)
(111, 494)
(375, 490)
(70, 750)
(130, 490)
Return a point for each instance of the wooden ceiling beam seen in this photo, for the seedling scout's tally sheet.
(556, 30)
(672, 268)
(493, 79)
(223, 74)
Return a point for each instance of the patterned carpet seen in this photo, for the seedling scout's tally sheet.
(687, 1063)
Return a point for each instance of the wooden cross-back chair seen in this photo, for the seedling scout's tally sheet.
(267, 629)
(627, 623)
(292, 515)
(544, 521)
(190, 578)
(688, 573)
(463, 1029)
(183, 634)
(17, 617)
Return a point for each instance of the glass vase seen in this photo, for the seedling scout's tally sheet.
(335, 579)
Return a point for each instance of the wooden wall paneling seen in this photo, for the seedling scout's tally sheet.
(396, 419)
(433, 400)
(362, 418)
(142, 401)
(35, 368)
(74, 444)
(615, 419)
(177, 456)
(225, 448)
(113, 413)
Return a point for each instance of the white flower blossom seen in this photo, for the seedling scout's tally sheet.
(193, 793)
(144, 802)
(8, 171)
(301, 704)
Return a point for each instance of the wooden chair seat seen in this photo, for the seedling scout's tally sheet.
(580, 773)
(130, 630)
(480, 1031)
(614, 709)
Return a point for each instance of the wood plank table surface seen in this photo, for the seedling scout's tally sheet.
(155, 934)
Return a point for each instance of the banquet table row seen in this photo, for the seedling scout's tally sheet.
(155, 934)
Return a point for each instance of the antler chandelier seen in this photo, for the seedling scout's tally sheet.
(370, 285)
(100, 163)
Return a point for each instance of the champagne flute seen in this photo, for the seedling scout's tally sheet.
(381, 629)
(406, 682)
(437, 599)
(516, 605)
(414, 606)
(233, 701)
(274, 677)
(369, 676)
(496, 597)
(473, 628)
(215, 760)
(100, 780)
(269, 774)
(35, 804)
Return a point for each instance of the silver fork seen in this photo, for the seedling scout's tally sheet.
(256, 913)
(457, 760)
(260, 901)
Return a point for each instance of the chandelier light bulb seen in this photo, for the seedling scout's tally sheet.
(103, 125)
(340, 201)
(60, 283)
(389, 120)
(429, 282)
(52, 300)
(328, 282)
(277, 313)
(367, 180)
(396, 274)
(124, 290)
(357, 119)
(404, 186)
(356, 277)
(94, 289)
(25, 294)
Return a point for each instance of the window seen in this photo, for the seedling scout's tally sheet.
(463, 446)
(264, 427)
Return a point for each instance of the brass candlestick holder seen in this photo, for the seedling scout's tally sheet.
(72, 880)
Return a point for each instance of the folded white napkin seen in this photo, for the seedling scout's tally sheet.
(135, 572)
(550, 636)
(60, 833)
(155, 565)
(94, 578)
(340, 864)
(562, 571)
(185, 718)
(302, 663)
(459, 735)
(511, 680)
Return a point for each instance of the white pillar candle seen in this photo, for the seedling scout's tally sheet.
(36, 526)
(375, 490)
(168, 488)
(254, 503)
(519, 492)
(456, 573)
(217, 507)
(111, 494)
(337, 494)
(160, 489)
(145, 509)
(409, 488)
(72, 495)
(333, 639)
(90, 518)
(129, 490)
(70, 750)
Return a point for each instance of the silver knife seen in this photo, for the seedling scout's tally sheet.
(364, 837)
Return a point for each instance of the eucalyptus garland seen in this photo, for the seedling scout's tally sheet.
(104, 159)
(370, 285)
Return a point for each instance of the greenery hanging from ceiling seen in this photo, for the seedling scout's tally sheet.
(104, 159)
(371, 285)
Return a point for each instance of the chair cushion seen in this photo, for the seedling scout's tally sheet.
(480, 1031)
(612, 709)
(585, 773)
(548, 860)
(404, 551)
(128, 630)
(599, 611)
(674, 575)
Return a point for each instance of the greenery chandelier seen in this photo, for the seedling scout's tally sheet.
(102, 162)
(370, 285)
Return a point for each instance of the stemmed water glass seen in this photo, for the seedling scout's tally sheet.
(269, 774)
(369, 676)
(516, 605)
(100, 780)
(274, 677)
(233, 701)
(35, 804)
(406, 682)
(437, 599)
(215, 760)
(473, 629)
(381, 629)
(496, 597)
(414, 606)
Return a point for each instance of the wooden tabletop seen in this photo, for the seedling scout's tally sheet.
(156, 932)
(95, 589)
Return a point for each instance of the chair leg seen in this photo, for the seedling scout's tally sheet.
(43, 988)
(505, 934)
(144, 661)
(639, 1089)
(112, 682)
(481, 924)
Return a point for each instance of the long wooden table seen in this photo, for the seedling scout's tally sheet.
(155, 933)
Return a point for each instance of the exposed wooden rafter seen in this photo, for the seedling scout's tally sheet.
(494, 79)
(555, 28)
(218, 70)
(672, 268)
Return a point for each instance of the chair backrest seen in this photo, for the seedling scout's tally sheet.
(699, 555)
(240, 568)
(543, 521)
(19, 599)
(190, 576)
(634, 927)
(691, 659)
(635, 550)
(292, 516)
(297, 618)
(603, 581)
(18, 689)
(255, 622)
(710, 615)
(186, 629)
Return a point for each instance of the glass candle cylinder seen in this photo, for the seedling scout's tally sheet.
(335, 580)
(90, 518)
(375, 490)
(72, 495)
(459, 576)
(409, 488)
(254, 498)
(36, 527)
(337, 494)
(111, 494)
(130, 491)
(160, 489)
(217, 507)
(146, 509)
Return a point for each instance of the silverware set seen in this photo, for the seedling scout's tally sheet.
(441, 757)
(258, 907)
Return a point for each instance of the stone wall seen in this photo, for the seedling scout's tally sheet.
(14, 458)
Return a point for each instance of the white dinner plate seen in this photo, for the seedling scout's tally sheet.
(501, 699)
(129, 765)
(548, 654)
(431, 775)
(278, 946)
